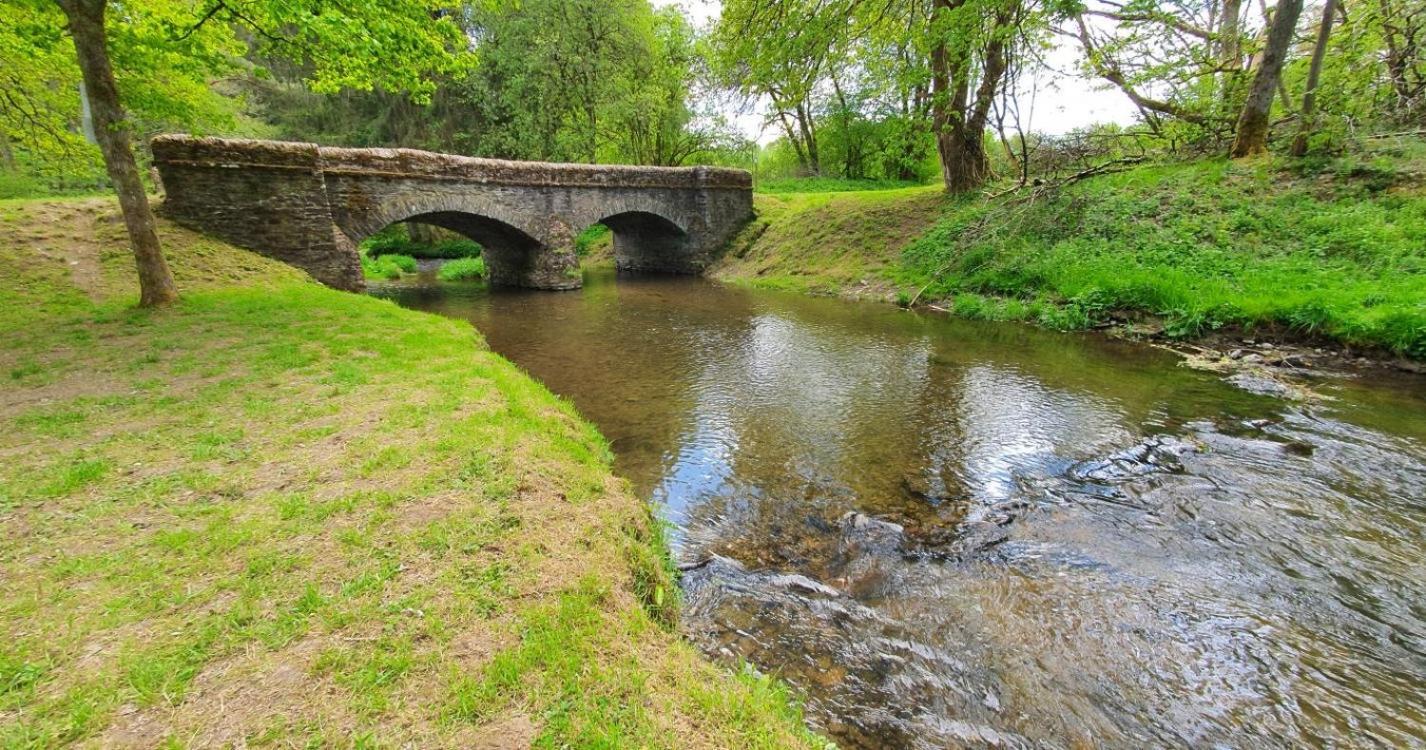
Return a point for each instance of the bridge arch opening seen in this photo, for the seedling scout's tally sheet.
(645, 241)
(509, 252)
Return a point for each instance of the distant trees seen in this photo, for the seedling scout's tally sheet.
(928, 66)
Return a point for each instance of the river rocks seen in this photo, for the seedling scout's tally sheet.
(872, 682)
(1161, 453)
(864, 532)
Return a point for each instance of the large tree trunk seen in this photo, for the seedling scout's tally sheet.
(964, 163)
(86, 26)
(1314, 74)
(959, 123)
(1252, 132)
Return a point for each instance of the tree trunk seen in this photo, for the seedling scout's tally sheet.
(960, 125)
(964, 164)
(809, 137)
(1230, 53)
(86, 26)
(1251, 136)
(1314, 73)
(792, 138)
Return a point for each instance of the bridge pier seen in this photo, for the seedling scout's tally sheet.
(311, 206)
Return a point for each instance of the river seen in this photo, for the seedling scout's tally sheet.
(948, 533)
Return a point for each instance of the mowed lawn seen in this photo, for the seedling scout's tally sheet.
(280, 515)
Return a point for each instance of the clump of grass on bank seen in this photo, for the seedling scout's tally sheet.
(384, 268)
(595, 246)
(1326, 249)
(280, 514)
(462, 269)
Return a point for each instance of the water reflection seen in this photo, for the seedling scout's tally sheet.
(960, 534)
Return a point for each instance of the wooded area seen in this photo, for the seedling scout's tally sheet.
(854, 89)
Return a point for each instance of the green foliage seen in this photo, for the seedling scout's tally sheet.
(396, 240)
(383, 268)
(1202, 246)
(826, 185)
(462, 269)
(592, 236)
(166, 55)
(406, 263)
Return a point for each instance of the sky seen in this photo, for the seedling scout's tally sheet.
(1063, 100)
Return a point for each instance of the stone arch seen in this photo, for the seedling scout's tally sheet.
(516, 252)
(649, 241)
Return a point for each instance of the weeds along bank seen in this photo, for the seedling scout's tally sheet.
(1323, 249)
(282, 515)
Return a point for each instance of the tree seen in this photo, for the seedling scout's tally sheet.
(757, 56)
(86, 27)
(1251, 134)
(349, 44)
(973, 42)
(1314, 75)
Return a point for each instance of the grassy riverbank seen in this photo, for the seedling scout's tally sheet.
(1330, 250)
(280, 515)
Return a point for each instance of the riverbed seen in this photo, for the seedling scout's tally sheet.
(957, 533)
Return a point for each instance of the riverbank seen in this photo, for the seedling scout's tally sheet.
(1326, 253)
(282, 515)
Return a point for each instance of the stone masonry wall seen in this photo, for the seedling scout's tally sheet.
(310, 205)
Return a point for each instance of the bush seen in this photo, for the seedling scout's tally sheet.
(462, 269)
(394, 241)
(380, 268)
(592, 236)
(451, 249)
(406, 263)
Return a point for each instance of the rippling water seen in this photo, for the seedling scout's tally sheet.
(948, 533)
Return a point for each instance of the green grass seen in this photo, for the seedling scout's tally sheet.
(1331, 250)
(462, 269)
(826, 185)
(277, 514)
(387, 267)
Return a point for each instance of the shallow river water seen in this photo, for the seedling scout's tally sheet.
(948, 533)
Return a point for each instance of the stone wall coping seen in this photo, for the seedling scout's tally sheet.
(408, 163)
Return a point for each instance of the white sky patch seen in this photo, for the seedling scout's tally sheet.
(1063, 99)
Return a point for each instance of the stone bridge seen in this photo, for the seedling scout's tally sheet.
(310, 205)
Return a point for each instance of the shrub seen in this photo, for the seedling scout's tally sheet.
(595, 234)
(406, 263)
(451, 249)
(461, 269)
(379, 268)
(394, 241)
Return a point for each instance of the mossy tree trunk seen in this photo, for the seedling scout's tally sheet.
(86, 27)
(958, 119)
(1251, 135)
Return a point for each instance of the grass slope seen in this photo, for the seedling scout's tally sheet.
(280, 515)
(1332, 250)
